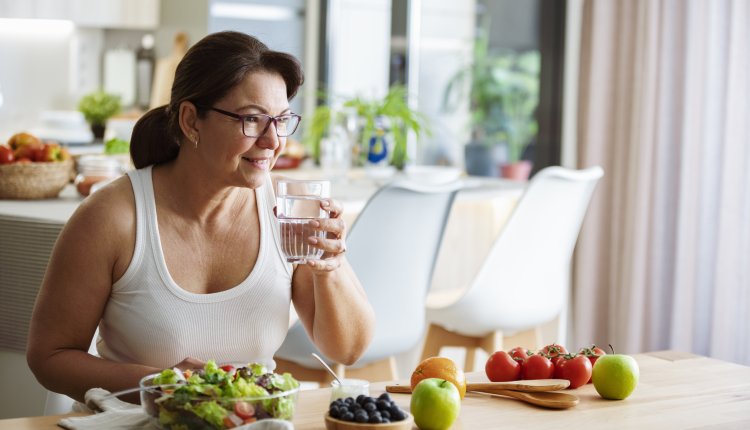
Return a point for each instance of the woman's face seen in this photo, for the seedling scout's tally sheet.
(243, 160)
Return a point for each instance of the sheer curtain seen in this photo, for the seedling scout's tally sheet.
(663, 260)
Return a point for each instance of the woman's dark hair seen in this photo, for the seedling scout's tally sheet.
(209, 70)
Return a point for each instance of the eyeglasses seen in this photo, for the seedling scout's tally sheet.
(256, 125)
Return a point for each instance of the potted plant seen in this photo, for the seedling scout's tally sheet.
(97, 107)
(376, 121)
(503, 92)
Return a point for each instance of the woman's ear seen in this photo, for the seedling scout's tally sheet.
(188, 119)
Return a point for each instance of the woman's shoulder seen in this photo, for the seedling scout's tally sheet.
(110, 211)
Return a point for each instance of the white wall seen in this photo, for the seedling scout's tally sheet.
(359, 41)
(190, 17)
(36, 70)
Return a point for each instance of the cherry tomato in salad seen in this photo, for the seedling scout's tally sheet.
(519, 353)
(537, 367)
(244, 410)
(501, 367)
(227, 368)
(574, 368)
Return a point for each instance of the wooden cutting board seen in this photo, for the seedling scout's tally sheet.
(164, 71)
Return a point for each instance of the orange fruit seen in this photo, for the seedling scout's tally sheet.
(440, 367)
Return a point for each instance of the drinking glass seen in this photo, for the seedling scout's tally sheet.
(298, 204)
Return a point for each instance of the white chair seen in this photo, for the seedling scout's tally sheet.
(58, 404)
(392, 248)
(524, 280)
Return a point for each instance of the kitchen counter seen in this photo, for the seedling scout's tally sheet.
(51, 210)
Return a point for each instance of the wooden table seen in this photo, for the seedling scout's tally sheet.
(676, 391)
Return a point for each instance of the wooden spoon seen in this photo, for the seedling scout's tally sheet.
(531, 385)
(544, 399)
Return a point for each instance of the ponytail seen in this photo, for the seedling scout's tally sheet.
(153, 140)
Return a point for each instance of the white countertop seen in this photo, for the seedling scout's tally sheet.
(58, 209)
(353, 192)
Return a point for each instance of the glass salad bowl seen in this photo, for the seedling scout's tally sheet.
(217, 397)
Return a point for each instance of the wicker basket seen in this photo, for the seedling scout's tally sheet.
(28, 181)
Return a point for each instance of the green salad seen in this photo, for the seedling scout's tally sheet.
(219, 397)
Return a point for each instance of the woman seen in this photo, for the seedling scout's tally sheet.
(179, 261)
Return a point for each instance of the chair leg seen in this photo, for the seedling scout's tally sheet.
(437, 337)
(529, 339)
(492, 342)
(381, 370)
(470, 358)
(302, 373)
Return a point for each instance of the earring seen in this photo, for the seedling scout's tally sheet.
(195, 140)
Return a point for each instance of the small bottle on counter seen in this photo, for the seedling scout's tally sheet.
(95, 171)
(145, 71)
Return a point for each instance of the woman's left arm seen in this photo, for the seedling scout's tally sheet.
(328, 297)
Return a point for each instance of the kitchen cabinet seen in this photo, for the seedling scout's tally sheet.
(126, 14)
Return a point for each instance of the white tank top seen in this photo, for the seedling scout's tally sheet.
(150, 320)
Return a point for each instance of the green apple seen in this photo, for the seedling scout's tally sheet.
(435, 404)
(615, 376)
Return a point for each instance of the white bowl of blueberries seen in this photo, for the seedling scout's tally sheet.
(365, 412)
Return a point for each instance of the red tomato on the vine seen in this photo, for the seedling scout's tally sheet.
(553, 350)
(519, 353)
(556, 360)
(537, 367)
(501, 367)
(574, 368)
(593, 353)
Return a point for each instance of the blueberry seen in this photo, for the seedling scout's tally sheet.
(369, 400)
(397, 414)
(349, 400)
(385, 414)
(375, 420)
(361, 398)
(383, 405)
(335, 412)
(385, 420)
(385, 397)
(347, 416)
(360, 418)
(370, 407)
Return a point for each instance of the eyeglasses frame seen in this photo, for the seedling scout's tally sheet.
(242, 118)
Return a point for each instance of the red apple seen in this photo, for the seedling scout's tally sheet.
(6, 155)
(22, 139)
(32, 151)
(50, 152)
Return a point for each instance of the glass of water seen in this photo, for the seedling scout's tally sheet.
(298, 202)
